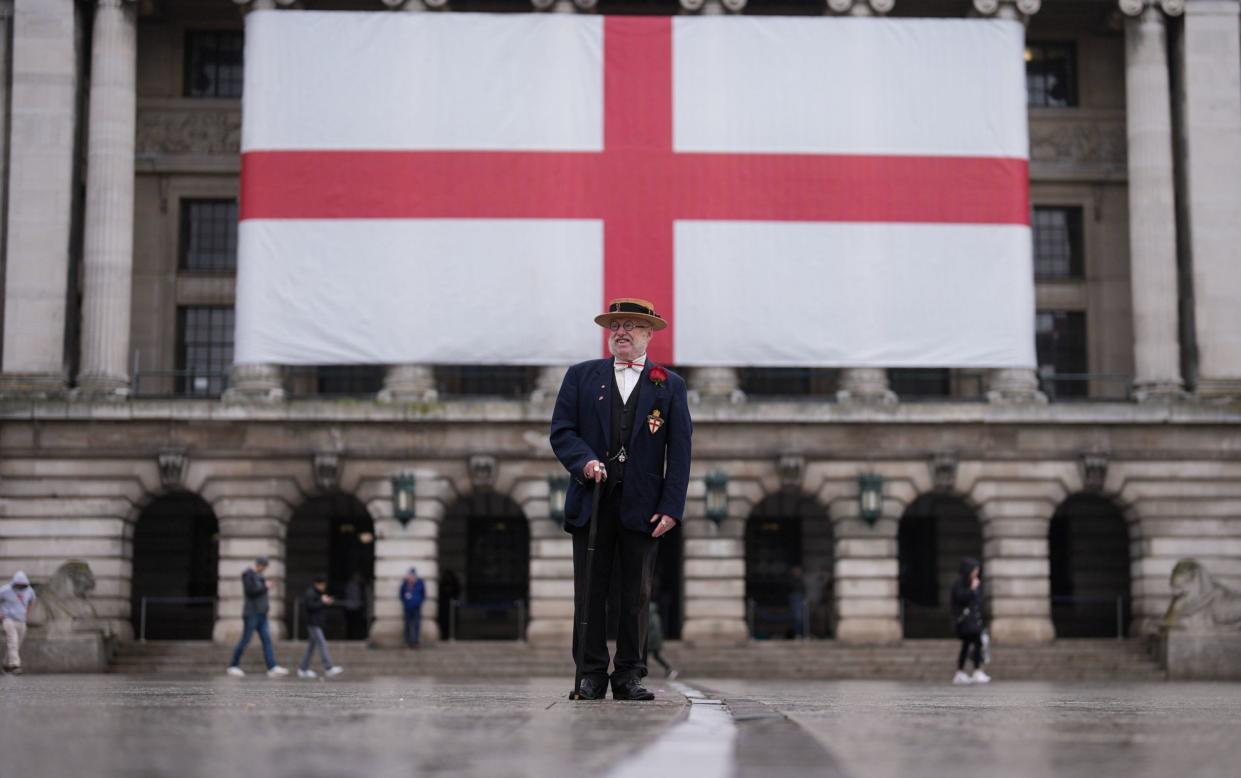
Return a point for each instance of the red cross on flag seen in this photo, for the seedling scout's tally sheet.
(789, 191)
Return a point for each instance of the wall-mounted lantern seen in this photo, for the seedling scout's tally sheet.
(557, 491)
(403, 491)
(717, 496)
(870, 497)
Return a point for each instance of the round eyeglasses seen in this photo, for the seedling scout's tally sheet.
(627, 326)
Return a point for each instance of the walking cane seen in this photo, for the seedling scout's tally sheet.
(584, 618)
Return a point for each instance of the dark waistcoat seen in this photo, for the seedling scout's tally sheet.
(622, 425)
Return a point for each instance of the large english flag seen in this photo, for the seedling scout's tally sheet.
(471, 188)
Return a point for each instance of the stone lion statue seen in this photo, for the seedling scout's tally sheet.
(1199, 602)
(62, 607)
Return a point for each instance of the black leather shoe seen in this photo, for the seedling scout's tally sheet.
(590, 689)
(631, 689)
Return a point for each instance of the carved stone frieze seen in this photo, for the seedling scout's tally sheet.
(327, 472)
(172, 468)
(943, 466)
(482, 472)
(1070, 143)
(188, 131)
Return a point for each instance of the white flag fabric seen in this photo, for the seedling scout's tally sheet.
(471, 188)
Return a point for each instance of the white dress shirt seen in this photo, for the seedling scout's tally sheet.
(627, 377)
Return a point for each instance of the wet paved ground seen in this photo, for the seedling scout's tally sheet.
(142, 726)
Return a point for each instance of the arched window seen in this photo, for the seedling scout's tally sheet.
(332, 535)
(788, 568)
(175, 568)
(1088, 546)
(936, 532)
(485, 546)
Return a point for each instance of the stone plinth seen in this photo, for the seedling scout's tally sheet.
(1202, 656)
(87, 652)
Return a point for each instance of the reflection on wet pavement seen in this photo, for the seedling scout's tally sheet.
(113, 725)
(1014, 728)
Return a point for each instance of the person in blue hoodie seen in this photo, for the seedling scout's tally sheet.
(413, 592)
(16, 597)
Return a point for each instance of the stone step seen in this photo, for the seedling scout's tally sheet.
(909, 660)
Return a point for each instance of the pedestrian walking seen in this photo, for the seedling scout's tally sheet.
(254, 619)
(413, 592)
(621, 427)
(16, 598)
(316, 599)
(967, 616)
(655, 643)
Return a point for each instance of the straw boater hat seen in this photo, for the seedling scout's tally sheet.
(631, 308)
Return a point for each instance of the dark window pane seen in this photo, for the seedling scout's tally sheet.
(209, 235)
(1060, 339)
(511, 381)
(349, 380)
(1051, 74)
(788, 381)
(915, 382)
(213, 65)
(204, 349)
(1057, 235)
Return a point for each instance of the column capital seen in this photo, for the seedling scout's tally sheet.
(861, 7)
(1008, 9)
(1138, 7)
(709, 7)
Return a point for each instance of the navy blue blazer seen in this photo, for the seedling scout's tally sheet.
(657, 471)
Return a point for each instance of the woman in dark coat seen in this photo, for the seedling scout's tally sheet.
(967, 615)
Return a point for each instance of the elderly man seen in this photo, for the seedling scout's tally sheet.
(622, 426)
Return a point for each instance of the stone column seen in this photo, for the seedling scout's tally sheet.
(861, 7)
(397, 549)
(255, 383)
(42, 132)
(409, 384)
(1211, 89)
(1152, 208)
(6, 27)
(867, 583)
(719, 384)
(865, 385)
(1016, 567)
(551, 572)
(108, 253)
(1014, 385)
(250, 526)
(713, 565)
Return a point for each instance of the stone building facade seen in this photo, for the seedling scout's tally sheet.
(123, 435)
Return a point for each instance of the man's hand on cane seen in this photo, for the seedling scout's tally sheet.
(595, 471)
(666, 523)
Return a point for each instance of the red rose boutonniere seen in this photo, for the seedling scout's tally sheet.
(658, 375)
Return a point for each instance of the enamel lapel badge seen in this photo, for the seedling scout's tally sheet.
(654, 421)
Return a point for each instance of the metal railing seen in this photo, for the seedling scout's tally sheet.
(458, 605)
(776, 614)
(299, 602)
(142, 609)
(1086, 387)
(1118, 600)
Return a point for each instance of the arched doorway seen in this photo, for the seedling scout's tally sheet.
(936, 532)
(485, 546)
(332, 535)
(1088, 546)
(175, 568)
(788, 568)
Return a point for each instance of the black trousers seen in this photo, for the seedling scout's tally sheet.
(635, 553)
(971, 646)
